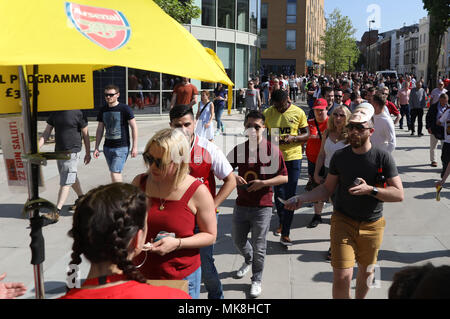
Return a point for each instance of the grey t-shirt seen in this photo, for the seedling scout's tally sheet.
(251, 99)
(68, 125)
(348, 166)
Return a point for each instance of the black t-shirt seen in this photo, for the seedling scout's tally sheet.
(348, 166)
(68, 125)
(115, 119)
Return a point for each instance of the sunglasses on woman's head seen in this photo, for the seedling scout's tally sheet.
(150, 160)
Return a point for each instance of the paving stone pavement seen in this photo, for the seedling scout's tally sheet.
(416, 230)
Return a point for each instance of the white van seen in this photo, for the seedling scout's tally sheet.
(386, 73)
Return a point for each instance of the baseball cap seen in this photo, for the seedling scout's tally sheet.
(363, 113)
(320, 104)
(349, 91)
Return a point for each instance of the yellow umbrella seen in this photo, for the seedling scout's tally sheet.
(59, 34)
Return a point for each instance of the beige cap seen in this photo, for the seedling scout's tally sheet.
(363, 113)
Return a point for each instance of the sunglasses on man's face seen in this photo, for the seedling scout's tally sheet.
(110, 94)
(150, 160)
(256, 127)
(340, 96)
(357, 126)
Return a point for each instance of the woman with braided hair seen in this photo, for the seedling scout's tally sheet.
(179, 203)
(109, 229)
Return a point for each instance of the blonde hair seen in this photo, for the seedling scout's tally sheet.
(332, 128)
(176, 150)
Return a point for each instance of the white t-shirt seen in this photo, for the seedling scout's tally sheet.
(384, 135)
(445, 121)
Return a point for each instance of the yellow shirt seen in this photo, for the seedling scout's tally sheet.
(288, 123)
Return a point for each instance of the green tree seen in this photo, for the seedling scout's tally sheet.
(439, 12)
(338, 45)
(181, 10)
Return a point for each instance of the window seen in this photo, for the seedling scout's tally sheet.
(241, 66)
(255, 18)
(225, 9)
(291, 11)
(242, 15)
(209, 13)
(264, 22)
(290, 40)
(225, 52)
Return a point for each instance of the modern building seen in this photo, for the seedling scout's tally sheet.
(229, 27)
(290, 36)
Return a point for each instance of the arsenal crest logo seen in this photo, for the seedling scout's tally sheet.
(107, 28)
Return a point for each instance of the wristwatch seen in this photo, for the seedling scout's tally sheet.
(374, 191)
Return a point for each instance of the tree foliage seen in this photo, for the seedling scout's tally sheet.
(338, 43)
(181, 10)
(439, 12)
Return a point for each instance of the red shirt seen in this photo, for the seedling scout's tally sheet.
(185, 93)
(313, 144)
(176, 217)
(262, 165)
(128, 290)
(392, 108)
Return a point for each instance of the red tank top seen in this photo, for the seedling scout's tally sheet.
(176, 217)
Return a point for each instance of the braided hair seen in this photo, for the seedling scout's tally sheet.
(105, 221)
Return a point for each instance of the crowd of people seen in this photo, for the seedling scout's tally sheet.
(164, 224)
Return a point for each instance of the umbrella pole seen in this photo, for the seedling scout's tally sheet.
(30, 140)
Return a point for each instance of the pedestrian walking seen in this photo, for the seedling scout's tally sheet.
(184, 93)
(220, 96)
(289, 125)
(417, 103)
(179, 203)
(206, 163)
(114, 119)
(444, 120)
(260, 167)
(435, 129)
(363, 177)
(383, 136)
(252, 98)
(403, 104)
(71, 128)
(109, 229)
(204, 117)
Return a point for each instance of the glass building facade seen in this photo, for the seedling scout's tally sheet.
(229, 27)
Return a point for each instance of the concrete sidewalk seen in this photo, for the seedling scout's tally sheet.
(416, 230)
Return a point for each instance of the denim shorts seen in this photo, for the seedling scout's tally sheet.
(116, 157)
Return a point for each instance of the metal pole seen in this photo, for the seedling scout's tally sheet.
(30, 141)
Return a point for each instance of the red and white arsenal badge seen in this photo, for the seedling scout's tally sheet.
(107, 28)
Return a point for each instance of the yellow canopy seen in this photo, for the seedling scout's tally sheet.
(130, 33)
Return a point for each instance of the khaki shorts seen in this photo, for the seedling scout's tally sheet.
(352, 241)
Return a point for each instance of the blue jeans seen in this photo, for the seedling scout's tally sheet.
(116, 157)
(405, 111)
(194, 280)
(210, 276)
(218, 113)
(286, 191)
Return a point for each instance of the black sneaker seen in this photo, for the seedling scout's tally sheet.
(316, 220)
(51, 218)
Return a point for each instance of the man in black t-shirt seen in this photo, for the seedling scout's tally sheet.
(113, 119)
(69, 126)
(362, 177)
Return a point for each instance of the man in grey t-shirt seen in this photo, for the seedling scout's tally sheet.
(417, 102)
(252, 98)
(357, 224)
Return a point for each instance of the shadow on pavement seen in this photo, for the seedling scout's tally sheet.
(11, 211)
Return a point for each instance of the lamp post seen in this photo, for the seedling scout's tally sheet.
(370, 38)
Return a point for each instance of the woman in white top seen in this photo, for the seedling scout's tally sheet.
(335, 139)
(204, 117)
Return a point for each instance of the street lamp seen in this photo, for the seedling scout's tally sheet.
(370, 38)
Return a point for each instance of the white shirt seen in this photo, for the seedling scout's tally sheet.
(384, 135)
(445, 121)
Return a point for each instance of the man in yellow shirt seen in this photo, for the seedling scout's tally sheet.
(287, 123)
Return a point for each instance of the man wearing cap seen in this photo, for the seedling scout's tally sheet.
(362, 178)
(317, 126)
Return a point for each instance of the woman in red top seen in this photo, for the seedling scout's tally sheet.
(179, 203)
(317, 126)
(109, 229)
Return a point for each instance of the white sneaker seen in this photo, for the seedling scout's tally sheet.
(243, 270)
(255, 290)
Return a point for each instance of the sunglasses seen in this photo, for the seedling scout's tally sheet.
(338, 115)
(110, 94)
(256, 127)
(357, 126)
(150, 160)
(338, 96)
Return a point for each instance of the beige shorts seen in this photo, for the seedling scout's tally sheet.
(352, 241)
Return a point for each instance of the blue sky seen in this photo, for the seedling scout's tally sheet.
(388, 14)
